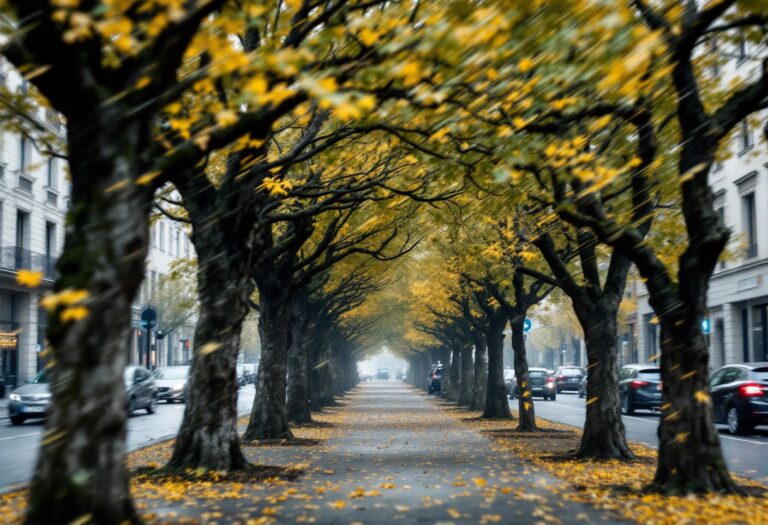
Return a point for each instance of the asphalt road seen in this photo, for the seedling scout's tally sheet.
(19, 444)
(746, 455)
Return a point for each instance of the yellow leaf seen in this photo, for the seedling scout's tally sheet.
(701, 396)
(209, 348)
(74, 313)
(147, 178)
(338, 504)
(29, 278)
(525, 65)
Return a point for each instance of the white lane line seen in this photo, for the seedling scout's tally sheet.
(655, 422)
(20, 436)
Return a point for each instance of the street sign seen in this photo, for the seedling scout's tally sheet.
(527, 324)
(148, 318)
(706, 326)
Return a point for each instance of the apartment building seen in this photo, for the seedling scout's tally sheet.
(170, 343)
(737, 320)
(34, 196)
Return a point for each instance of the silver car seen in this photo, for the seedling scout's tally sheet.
(171, 383)
(30, 401)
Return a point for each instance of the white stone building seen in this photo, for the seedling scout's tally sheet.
(169, 242)
(738, 295)
(34, 196)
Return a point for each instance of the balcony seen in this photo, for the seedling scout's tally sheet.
(16, 258)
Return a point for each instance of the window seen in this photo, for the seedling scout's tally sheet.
(745, 136)
(50, 239)
(22, 225)
(749, 223)
(721, 215)
(162, 237)
(51, 175)
(25, 154)
(176, 242)
(741, 48)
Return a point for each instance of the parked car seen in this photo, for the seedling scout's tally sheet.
(640, 387)
(171, 383)
(30, 401)
(435, 380)
(140, 389)
(366, 377)
(510, 382)
(383, 375)
(583, 387)
(542, 384)
(739, 396)
(568, 378)
(249, 372)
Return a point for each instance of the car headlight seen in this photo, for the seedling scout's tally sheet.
(14, 397)
(550, 385)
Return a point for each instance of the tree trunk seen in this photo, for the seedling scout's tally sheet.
(467, 383)
(269, 417)
(80, 470)
(208, 437)
(480, 376)
(496, 404)
(690, 458)
(298, 373)
(604, 436)
(456, 378)
(526, 411)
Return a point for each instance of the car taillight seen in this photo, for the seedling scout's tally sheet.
(750, 390)
(561, 378)
(550, 379)
(636, 383)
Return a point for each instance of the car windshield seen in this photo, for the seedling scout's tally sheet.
(180, 372)
(571, 372)
(760, 374)
(651, 373)
(41, 377)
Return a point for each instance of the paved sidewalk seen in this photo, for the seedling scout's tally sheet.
(397, 457)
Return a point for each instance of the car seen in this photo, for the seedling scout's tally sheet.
(249, 372)
(171, 383)
(739, 395)
(30, 401)
(366, 377)
(568, 378)
(435, 380)
(640, 387)
(140, 389)
(241, 375)
(510, 383)
(583, 387)
(542, 384)
(383, 375)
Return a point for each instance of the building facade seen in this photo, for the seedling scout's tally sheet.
(170, 343)
(737, 320)
(34, 196)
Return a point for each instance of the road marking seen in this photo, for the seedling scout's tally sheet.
(20, 436)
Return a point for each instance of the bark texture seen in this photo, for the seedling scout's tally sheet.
(480, 375)
(298, 367)
(80, 468)
(496, 404)
(467, 382)
(527, 415)
(456, 379)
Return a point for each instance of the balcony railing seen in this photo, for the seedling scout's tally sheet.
(16, 258)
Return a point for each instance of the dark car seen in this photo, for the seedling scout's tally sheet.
(639, 387)
(171, 383)
(140, 389)
(739, 396)
(568, 378)
(435, 380)
(542, 384)
(583, 387)
(31, 400)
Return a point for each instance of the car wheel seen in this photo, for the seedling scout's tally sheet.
(736, 423)
(626, 407)
(17, 420)
(152, 405)
(553, 397)
(131, 405)
(581, 392)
